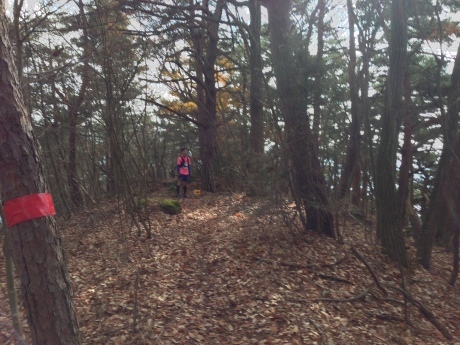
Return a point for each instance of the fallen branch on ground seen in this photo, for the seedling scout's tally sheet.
(386, 299)
(374, 276)
(425, 311)
(319, 330)
(337, 279)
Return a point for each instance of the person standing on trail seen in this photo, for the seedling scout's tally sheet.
(184, 171)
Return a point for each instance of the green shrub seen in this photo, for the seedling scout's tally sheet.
(170, 206)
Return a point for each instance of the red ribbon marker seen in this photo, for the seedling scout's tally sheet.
(28, 207)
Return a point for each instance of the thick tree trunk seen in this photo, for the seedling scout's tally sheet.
(440, 210)
(406, 153)
(209, 130)
(308, 179)
(36, 244)
(255, 161)
(389, 224)
(255, 89)
(456, 240)
(204, 42)
(207, 139)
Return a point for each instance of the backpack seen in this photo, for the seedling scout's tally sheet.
(183, 161)
(173, 171)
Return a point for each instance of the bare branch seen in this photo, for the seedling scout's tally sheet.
(374, 276)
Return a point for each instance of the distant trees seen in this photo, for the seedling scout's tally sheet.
(289, 105)
(194, 28)
(262, 106)
(74, 103)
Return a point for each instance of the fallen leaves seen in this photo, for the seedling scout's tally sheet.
(199, 282)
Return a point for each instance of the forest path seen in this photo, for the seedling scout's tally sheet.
(227, 270)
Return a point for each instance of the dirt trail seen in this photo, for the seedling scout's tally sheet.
(227, 270)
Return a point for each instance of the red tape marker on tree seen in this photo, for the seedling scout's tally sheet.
(28, 207)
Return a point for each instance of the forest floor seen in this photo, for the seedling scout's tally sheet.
(228, 270)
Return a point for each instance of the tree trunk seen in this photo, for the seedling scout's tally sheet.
(17, 8)
(309, 185)
(56, 171)
(255, 159)
(255, 88)
(318, 84)
(209, 130)
(204, 43)
(406, 153)
(440, 209)
(456, 231)
(389, 222)
(351, 175)
(207, 138)
(72, 176)
(36, 244)
(366, 46)
(369, 134)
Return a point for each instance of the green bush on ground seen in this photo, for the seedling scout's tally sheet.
(170, 206)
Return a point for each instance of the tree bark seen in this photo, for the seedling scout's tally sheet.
(204, 43)
(256, 85)
(17, 8)
(318, 84)
(74, 107)
(36, 244)
(366, 47)
(255, 161)
(72, 176)
(309, 186)
(440, 210)
(456, 239)
(351, 176)
(406, 153)
(389, 224)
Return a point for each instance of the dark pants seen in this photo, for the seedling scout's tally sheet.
(183, 178)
